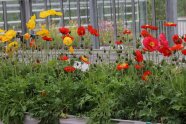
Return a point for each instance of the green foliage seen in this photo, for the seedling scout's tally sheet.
(47, 92)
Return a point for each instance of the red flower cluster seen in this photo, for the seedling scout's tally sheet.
(138, 56)
(69, 69)
(145, 75)
(64, 30)
(81, 31)
(93, 31)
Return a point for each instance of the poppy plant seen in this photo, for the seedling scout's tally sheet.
(122, 66)
(138, 56)
(46, 38)
(64, 30)
(126, 31)
(177, 39)
(81, 31)
(150, 43)
(84, 59)
(69, 69)
(170, 24)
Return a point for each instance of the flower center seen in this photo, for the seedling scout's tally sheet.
(152, 44)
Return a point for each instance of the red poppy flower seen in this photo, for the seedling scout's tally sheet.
(170, 24)
(81, 31)
(138, 67)
(163, 40)
(138, 56)
(145, 33)
(177, 47)
(63, 58)
(153, 27)
(94, 32)
(89, 28)
(64, 30)
(183, 52)
(118, 42)
(122, 66)
(177, 39)
(126, 31)
(46, 38)
(165, 51)
(146, 26)
(184, 38)
(150, 43)
(69, 69)
(84, 59)
(146, 75)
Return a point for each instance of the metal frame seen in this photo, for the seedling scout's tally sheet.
(5, 15)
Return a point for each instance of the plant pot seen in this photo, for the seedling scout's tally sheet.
(30, 120)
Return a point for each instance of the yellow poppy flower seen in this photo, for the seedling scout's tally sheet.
(44, 14)
(67, 41)
(31, 24)
(71, 49)
(11, 48)
(9, 35)
(1, 31)
(43, 32)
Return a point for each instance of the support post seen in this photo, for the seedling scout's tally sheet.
(62, 23)
(114, 19)
(94, 22)
(26, 13)
(5, 15)
(48, 18)
(134, 22)
(154, 15)
(171, 16)
(78, 13)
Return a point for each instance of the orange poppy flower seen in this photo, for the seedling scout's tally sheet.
(146, 26)
(64, 30)
(84, 59)
(27, 36)
(170, 24)
(122, 66)
(145, 33)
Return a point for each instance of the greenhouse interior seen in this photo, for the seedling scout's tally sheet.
(92, 62)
